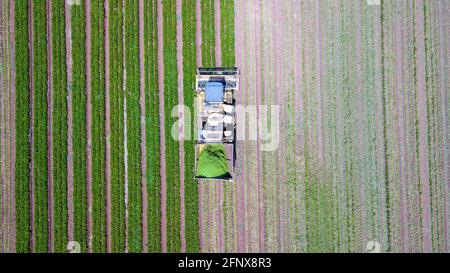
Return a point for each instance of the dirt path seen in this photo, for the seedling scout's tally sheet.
(12, 127)
(162, 141)
(444, 85)
(31, 77)
(423, 124)
(70, 173)
(181, 125)
(260, 180)
(240, 175)
(87, 5)
(3, 123)
(143, 139)
(220, 186)
(360, 118)
(298, 104)
(107, 130)
(399, 86)
(51, 224)
(279, 80)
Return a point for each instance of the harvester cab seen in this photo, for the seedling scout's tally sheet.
(215, 149)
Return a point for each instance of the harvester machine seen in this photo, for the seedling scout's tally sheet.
(215, 149)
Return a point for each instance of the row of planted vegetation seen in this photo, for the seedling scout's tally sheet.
(32, 124)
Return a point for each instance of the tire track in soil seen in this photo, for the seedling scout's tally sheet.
(298, 104)
(31, 137)
(51, 235)
(107, 129)
(87, 6)
(240, 175)
(259, 181)
(4, 218)
(12, 113)
(181, 129)
(162, 141)
(444, 85)
(198, 45)
(279, 78)
(143, 135)
(220, 186)
(360, 118)
(399, 86)
(423, 124)
(246, 181)
(380, 135)
(70, 168)
(267, 44)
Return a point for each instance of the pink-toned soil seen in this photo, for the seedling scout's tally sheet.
(162, 141)
(260, 181)
(12, 127)
(361, 118)
(399, 84)
(240, 181)
(143, 140)
(181, 125)
(423, 124)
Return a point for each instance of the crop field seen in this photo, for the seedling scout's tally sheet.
(351, 100)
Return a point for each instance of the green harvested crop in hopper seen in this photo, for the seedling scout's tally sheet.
(212, 162)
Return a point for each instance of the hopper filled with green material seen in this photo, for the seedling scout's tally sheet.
(212, 162)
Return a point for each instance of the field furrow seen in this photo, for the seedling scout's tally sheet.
(162, 125)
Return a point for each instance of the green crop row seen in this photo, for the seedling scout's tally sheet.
(117, 139)
(227, 32)
(152, 128)
(40, 126)
(98, 126)
(79, 123)
(208, 33)
(59, 126)
(133, 126)
(22, 175)
(189, 70)
(172, 146)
